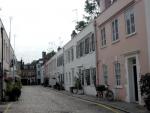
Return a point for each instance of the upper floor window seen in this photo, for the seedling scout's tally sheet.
(72, 54)
(87, 45)
(93, 42)
(130, 21)
(115, 34)
(103, 37)
(68, 56)
(60, 60)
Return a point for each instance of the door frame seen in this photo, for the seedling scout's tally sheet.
(134, 55)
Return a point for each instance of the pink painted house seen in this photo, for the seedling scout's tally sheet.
(123, 46)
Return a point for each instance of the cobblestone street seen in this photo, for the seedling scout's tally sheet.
(36, 99)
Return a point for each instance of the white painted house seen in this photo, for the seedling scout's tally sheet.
(76, 58)
(86, 58)
(79, 58)
(69, 63)
(60, 66)
(39, 71)
(51, 71)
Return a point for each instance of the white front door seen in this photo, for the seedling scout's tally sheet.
(132, 70)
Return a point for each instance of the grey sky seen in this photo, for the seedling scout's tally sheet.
(40, 24)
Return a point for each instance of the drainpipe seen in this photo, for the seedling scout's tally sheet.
(96, 51)
(2, 96)
(63, 68)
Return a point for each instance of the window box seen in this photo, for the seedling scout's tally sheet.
(119, 87)
(130, 35)
(116, 41)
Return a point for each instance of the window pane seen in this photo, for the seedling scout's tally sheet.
(128, 27)
(103, 37)
(93, 43)
(94, 76)
(116, 29)
(105, 74)
(115, 34)
(113, 31)
(117, 74)
(87, 74)
(87, 46)
(132, 23)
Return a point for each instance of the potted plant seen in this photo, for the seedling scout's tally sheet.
(13, 89)
(145, 89)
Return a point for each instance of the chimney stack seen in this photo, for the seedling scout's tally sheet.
(104, 4)
(43, 54)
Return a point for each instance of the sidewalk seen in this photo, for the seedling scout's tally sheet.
(123, 106)
(2, 107)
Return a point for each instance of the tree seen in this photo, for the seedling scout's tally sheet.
(92, 9)
(81, 25)
(90, 6)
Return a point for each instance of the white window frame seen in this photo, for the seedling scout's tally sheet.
(105, 73)
(115, 30)
(128, 17)
(103, 37)
(117, 72)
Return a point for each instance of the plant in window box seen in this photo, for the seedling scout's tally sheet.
(145, 89)
(77, 86)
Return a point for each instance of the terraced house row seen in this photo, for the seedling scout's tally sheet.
(7, 60)
(113, 49)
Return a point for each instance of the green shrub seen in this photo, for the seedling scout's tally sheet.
(13, 89)
(78, 83)
(145, 89)
(145, 84)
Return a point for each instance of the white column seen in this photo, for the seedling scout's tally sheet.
(147, 13)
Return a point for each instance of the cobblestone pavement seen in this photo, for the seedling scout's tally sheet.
(36, 99)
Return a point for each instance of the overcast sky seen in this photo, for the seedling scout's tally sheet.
(40, 24)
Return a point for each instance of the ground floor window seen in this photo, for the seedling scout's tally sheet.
(66, 78)
(117, 73)
(87, 76)
(105, 73)
(82, 77)
(70, 81)
(93, 75)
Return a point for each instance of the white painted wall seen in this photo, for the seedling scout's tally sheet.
(51, 70)
(69, 66)
(8, 51)
(60, 68)
(42, 74)
(86, 61)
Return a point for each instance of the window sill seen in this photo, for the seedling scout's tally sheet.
(119, 87)
(130, 35)
(116, 41)
(102, 47)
